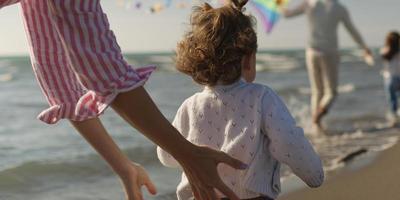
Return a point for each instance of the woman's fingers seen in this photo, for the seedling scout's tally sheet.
(151, 187)
(235, 163)
(134, 180)
(200, 187)
(213, 195)
(133, 192)
(195, 190)
(137, 193)
(203, 175)
(196, 194)
(226, 190)
(208, 193)
(144, 179)
(222, 157)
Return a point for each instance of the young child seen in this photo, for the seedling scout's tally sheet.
(391, 73)
(247, 121)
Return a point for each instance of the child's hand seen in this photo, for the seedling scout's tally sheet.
(133, 181)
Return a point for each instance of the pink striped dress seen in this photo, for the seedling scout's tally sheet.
(75, 57)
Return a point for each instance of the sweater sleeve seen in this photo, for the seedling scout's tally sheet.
(348, 24)
(4, 3)
(296, 11)
(287, 141)
(180, 122)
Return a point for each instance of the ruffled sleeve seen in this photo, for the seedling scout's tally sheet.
(92, 104)
(4, 3)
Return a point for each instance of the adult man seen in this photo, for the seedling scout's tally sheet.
(322, 54)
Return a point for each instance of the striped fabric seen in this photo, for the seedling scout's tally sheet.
(7, 2)
(76, 59)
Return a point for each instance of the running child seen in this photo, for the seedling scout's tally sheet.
(248, 121)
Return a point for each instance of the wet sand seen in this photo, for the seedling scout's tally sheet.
(378, 180)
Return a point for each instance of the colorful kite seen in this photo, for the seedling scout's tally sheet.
(268, 11)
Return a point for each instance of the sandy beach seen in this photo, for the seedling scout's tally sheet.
(379, 180)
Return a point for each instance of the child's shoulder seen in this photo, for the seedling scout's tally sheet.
(188, 102)
(261, 88)
(266, 94)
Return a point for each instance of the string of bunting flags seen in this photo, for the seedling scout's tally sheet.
(268, 11)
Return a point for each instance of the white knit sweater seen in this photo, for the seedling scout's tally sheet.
(251, 123)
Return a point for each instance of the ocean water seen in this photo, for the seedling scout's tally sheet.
(43, 162)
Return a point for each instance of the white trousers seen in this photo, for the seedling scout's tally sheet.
(323, 75)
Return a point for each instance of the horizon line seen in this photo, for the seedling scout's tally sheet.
(264, 50)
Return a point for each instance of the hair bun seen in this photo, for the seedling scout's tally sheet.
(239, 4)
(206, 7)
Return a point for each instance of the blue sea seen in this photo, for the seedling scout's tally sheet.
(47, 162)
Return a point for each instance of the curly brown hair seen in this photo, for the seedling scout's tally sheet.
(212, 50)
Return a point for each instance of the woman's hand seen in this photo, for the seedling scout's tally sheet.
(132, 175)
(200, 167)
(133, 180)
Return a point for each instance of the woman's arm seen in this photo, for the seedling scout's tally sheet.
(288, 143)
(181, 123)
(4, 3)
(198, 163)
(135, 106)
(132, 175)
(166, 159)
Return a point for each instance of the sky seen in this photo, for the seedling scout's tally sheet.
(138, 31)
